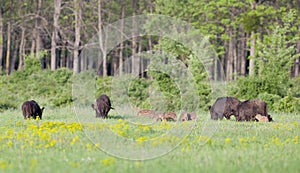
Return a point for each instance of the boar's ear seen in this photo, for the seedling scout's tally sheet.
(209, 107)
(93, 106)
(43, 109)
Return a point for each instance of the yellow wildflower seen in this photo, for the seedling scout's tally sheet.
(108, 161)
(227, 140)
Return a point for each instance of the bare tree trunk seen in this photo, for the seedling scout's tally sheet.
(32, 43)
(102, 43)
(69, 60)
(229, 59)
(242, 56)
(121, 38)
(252, 48)
(77, 14)
(140, 60)
(8, 48)
(252, 55)
(135, 59)
(234, 54)
(63, 59)
(22, 49)
(14, 56)
(296, 68)
(57, 4)
(297, 61)
(37, 26)
(1, 39)
(149, 36)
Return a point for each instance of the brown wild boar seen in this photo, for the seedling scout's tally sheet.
(158, 115)
(32, 109)
(247, 110)
(146, 113)
(169, 116)
(102, 106)
(185, 116)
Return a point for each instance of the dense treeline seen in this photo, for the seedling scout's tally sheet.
(257, 46)
(57, 31)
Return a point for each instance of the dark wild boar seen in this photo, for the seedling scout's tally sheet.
(32, 109)
(247, 110)
(224, 107)
(103, 106)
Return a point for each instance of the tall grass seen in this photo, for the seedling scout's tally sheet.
(59, 143)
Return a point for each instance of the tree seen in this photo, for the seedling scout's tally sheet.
(1, 37)
(276, 54)
(135, 59)
(78, 15)
(54, 38)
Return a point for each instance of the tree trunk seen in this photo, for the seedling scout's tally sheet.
(14, 55)
(242, 55)
(121, 37)
(149, 36)
(63, 58)
(135, 60)
(8, 48)
(102, 69)
(77, 14)
(22, 49)
(297, 61)
(235, 58)
(141, 62)
(1, 39)
(252, 55)
(230, 57)
(57, 4)
(296, 69)
(37, 26)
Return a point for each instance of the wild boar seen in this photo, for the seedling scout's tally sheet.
(103, 106)
(224, 107)
(31, 108)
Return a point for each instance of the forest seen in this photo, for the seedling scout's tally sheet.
(57, 31)
(157, 56)
(255, 44)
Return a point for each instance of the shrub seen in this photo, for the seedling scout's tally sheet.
(270, 99)
(288, 104)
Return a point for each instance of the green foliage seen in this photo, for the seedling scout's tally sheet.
(33, 64)
(181, 91)
(270, 99)
(138, 92)
(53, 87)
(274, 59)
(103, 85)
(295, 87)
(246, 88)
(169, 89)
(288, 104)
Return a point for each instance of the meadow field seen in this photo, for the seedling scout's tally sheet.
(60, 142)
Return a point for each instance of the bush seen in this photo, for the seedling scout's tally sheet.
(55, 87)
(270, 99)
(138, 92)
(288, 104)
(295, 87)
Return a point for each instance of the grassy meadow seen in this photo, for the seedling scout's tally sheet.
(63, 142)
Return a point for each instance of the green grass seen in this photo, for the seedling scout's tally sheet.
(58, 143)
